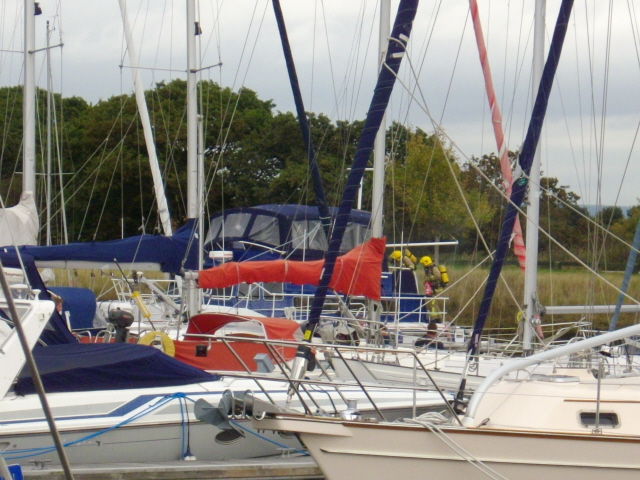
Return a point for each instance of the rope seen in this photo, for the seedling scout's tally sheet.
(281, 445)
(430, 421)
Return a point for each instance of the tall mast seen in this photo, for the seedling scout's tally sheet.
(533, 210)
(379, 145)
(158, 184)
(192, 113)
(29, 101)
(49, 106)
(194, 195)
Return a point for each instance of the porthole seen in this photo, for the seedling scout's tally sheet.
(606, 420)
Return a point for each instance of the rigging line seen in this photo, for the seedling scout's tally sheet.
(518, 73)
(96, 169)
(326, 33)
(455, 64)
(235, 107)
(439, 129)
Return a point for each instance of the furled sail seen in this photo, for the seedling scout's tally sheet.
(19, 225)
(356, 272)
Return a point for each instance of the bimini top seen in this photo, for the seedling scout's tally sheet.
(295, 231)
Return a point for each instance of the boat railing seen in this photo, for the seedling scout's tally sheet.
(308, 388)
(555, 354)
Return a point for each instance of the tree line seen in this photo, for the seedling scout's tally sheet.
(254, 155)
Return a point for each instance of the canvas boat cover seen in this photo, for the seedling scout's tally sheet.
(221, 357)
(107, 366)
(56, 330)
(292, 228)
(169, 252)
(356, 273)
(19, 225)
(275, 328)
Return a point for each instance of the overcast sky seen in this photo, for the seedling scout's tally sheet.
(335, 48)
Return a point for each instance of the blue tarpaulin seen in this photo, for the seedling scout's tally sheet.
(111, 366)
(168, 252)
(78, 306)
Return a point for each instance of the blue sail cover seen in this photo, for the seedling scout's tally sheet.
(112, 366)
(56, 330)
(168, 252)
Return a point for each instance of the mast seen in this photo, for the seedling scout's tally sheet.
(49, 87)
(161, 199)
(379, 148)
(192, 113)
(533, 210)
(380, 144)
(29, 100)
(194, 194)
(628, 271)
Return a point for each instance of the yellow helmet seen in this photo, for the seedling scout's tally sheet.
(426, 261)
(396, 255)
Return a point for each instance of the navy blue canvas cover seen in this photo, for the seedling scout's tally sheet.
(79, 304)
(242, 227)
(111, 366)
(169, 252)
(56, 331)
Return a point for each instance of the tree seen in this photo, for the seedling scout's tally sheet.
(425, 198)
(562, 218)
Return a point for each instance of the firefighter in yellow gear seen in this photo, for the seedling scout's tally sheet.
(436, 277)
(405, 258)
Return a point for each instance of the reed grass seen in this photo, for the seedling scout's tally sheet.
(563, 287)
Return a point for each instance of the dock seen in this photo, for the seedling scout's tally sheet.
(281, 467)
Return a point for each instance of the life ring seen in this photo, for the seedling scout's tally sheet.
(167, 345)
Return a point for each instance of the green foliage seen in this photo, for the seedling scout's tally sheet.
(425, 195)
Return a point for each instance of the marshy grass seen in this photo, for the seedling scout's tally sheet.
(559, 287)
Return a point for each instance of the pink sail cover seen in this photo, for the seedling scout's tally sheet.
(357, 272)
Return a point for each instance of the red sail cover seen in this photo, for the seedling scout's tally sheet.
(357, 272)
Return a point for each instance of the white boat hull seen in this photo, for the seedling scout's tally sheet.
(383, 451)
(156, 425)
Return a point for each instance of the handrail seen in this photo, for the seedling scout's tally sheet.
(469, 418)
(271, 344)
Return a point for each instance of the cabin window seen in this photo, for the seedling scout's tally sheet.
(607, 419)
(251, 292)
(220, 293)
(354, 235)
(308, 235)
(235, 225)
(214, 230)
(273, 291)
(265, 230)
(317, 237)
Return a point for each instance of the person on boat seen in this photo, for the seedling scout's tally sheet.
(403, 259)
(430, 339)
(436, 277)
